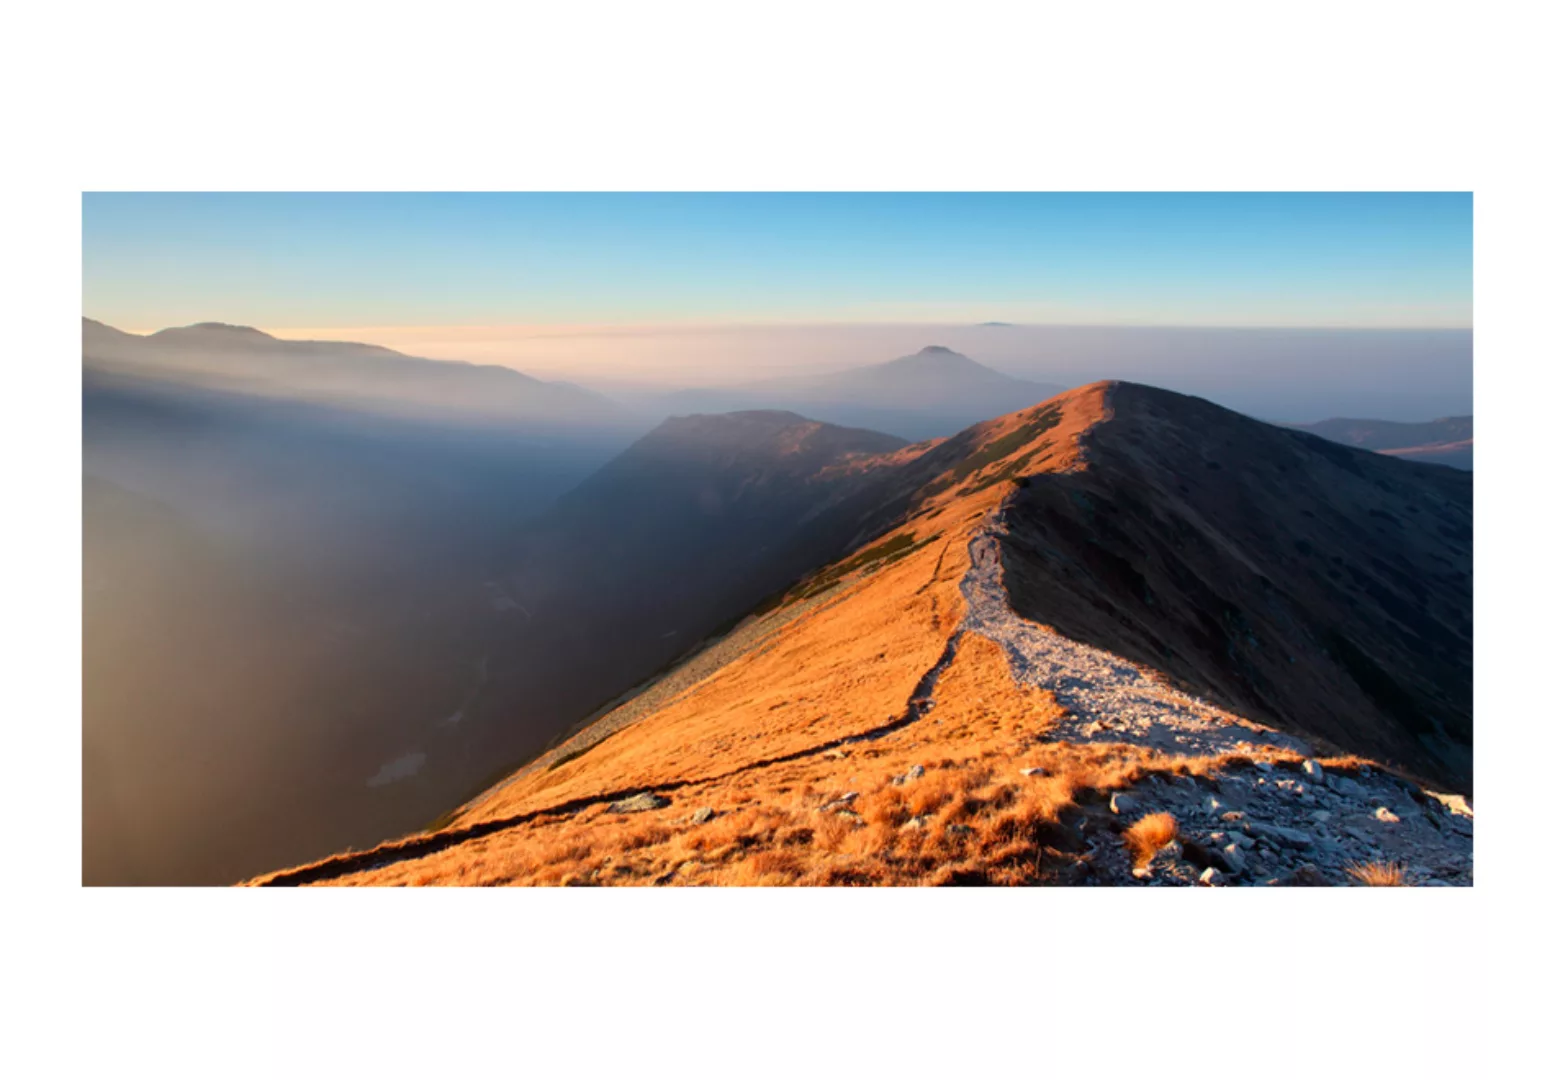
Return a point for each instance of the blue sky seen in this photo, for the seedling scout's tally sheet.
(420, 260)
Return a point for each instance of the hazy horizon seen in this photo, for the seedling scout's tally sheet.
(1298, 306)
(1280, 373)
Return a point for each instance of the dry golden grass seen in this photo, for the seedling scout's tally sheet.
(1377, 874)
(1149, 835)
(845, 668)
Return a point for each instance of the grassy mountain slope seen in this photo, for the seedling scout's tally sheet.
(855, 729)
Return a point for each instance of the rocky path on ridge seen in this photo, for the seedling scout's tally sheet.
(1274, 823)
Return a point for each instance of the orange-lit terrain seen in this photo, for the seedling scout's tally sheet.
(870, 728)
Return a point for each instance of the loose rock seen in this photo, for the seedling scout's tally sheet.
(638, 803)
(1124, 804)
(1279, 834)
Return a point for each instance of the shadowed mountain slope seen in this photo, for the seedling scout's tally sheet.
(1320, 588)
(1006, 640)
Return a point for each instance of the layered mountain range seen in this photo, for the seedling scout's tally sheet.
(932, 393)
(366, 378)
(995, 652)
(402, 590)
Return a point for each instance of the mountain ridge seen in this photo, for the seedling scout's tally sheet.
(886, 720)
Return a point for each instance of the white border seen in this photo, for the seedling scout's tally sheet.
(981, 96)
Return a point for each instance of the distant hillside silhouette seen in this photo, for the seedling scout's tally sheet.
(934, 392)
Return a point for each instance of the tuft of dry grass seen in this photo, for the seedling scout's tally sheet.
(1149, 835)
(1377, 874)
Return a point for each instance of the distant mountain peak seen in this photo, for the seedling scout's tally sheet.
(938, 361)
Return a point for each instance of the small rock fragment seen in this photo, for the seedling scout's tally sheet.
(638, 803)
(915, 772)
(703, 816)
(1313, 769)
(1033, 771)
(1124, 804)
(1386, 815)
(1212, 876)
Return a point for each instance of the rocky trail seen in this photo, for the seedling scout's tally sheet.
(1262, 822)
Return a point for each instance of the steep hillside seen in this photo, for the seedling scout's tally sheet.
(1027, 668)
(1301, 583)
(680, 534)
